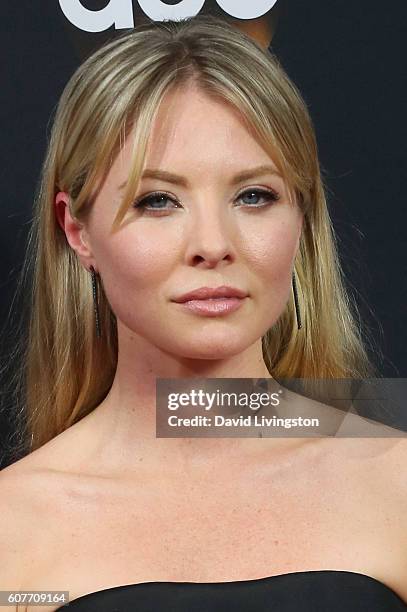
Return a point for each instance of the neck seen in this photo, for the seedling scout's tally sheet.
(126, 418)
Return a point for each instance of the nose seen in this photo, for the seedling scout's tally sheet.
(210, 237)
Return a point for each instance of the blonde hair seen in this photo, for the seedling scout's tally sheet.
(64, 371)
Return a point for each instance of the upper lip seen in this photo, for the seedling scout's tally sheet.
(206, 293)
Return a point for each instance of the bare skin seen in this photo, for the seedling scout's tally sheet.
(105, 503)
(79, 523)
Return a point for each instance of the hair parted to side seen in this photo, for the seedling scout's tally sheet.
(64, 372)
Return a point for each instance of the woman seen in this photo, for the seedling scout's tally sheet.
(231, 195)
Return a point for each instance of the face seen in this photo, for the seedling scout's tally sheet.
(209, 228)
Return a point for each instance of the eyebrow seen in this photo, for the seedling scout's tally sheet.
(169, 177)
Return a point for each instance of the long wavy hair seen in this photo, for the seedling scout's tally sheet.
(62, 370)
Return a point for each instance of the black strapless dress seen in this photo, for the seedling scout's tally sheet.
(309, 591)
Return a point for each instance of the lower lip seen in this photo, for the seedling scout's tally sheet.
(214, 307)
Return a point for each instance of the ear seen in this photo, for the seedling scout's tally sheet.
(75, 231)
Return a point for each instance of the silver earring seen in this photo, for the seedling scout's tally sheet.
(95, 301)
(297, 306)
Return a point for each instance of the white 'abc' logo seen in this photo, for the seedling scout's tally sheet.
(120, 12)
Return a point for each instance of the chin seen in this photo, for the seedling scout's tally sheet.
(211, 348)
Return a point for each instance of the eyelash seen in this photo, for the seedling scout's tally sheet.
(143, 201)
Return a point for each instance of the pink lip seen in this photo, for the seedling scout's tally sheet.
(213, 307)
(209, 293)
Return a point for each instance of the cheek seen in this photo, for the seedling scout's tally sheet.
(134, 269)
(272, 253)
(272, 257)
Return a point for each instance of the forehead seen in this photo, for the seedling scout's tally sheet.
(193, 130)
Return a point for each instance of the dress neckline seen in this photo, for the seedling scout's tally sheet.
(349, 573)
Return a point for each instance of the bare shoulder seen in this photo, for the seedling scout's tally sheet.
(17, 528)
(389, 483)
(23, 526)
(394, 471)
(32, 491)
(36, 494)
(378, 462)
(368, 479)
(380, 477)
(34, 482)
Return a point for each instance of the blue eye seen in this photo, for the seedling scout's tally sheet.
(145, 203)
(160, 197)
(269, 195)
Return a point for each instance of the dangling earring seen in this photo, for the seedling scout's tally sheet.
(95, 301)
(297, 306)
